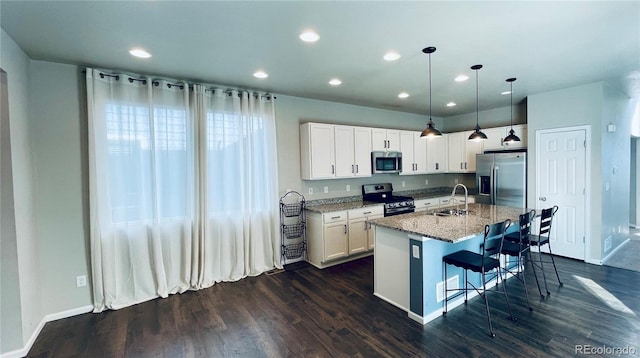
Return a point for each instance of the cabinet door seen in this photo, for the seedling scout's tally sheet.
(371, 233)
(437, 154)
(393, 140)
(335, 240)
(521, 131)
(471, 149)
(406, 147)
(495, 136)
(321, 151)
(362, 151)
(455, 146)
(419, 153)
(344, 148)
(358, 239)
(378, 139)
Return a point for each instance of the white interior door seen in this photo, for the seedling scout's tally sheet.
(561, 180)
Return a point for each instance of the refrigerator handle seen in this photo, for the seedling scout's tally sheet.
(495, 184)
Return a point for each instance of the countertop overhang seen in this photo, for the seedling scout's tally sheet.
(453, 228)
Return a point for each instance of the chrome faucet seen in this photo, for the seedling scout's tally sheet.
(466, 197)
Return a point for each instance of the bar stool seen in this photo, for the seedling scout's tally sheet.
(517, 245)
(482, 263)
(543, 238)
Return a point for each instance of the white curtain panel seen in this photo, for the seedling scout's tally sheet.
(183, 187)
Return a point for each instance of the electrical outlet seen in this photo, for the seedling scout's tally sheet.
(310, 191)
(403, 184)
(348, 187)
(81, 281)
(326, 189)
(426, 182)
(456, 181)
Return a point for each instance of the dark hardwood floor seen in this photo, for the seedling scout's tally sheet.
(333, 313)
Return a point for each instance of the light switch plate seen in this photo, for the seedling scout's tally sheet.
(416, 251)
(326, 189)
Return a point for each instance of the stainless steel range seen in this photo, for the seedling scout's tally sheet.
(383, 193)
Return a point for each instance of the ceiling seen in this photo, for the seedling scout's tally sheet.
(547, 45)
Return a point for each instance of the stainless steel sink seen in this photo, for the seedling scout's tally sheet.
(450, 212)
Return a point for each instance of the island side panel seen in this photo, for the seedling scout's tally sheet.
(391, 267)
(416, 279)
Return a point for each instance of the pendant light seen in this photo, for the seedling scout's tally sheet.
(512, 137)
(431, 130)
(477, 135)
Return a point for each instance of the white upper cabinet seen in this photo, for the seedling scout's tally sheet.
(436, 154)
(317, 151)
(385, 139)
(334, 151)
(462, 152)
(344, 149)
(362, 151)
(496, 136)
(414, 153)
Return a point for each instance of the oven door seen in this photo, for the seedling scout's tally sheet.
(398, 211)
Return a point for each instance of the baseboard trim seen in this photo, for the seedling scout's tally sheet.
(22, 352)
(593, 262)
(606, 258)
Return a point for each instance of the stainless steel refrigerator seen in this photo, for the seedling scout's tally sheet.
(502, 178)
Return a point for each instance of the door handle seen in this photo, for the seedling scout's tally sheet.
(542, 198)
(333, 169)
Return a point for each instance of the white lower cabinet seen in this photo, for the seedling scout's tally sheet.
(426, 204)
(341, 236)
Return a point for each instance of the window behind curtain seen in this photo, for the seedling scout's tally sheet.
(138, 145)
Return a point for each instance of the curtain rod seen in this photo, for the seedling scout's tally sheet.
(156, 83)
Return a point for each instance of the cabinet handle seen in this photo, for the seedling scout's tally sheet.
(335, 217)
(345, 229)
(465, 165)
(333, 169)
(367, 212)
(461, 165)
(357, 170)
(353, 168)
(366, 226)
(436, 166)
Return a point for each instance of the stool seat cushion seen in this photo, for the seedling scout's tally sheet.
(471, 261)
(513, 249)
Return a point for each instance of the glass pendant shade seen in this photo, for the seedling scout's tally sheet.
(477, 135)
(512, 137)
(431, 130)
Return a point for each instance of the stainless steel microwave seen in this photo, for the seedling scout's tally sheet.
(386, 162)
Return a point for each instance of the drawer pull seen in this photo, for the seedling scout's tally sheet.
(335, 217)
(367, 212)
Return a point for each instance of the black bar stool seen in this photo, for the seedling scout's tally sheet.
(543, 238)
(517, 245)
(482, 263)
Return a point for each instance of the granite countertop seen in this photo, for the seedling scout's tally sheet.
(327, 208)
(340, 204)
(451, 229)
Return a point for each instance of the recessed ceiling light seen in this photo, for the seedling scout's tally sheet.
(451, 104)
(140, 53)
(391, 56)
(403, 95)
(461, 78)
(260, 74)
(335, 82)
(309, 36)
(505, 92)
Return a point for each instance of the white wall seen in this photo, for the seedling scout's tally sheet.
(58, 124)
(15, 62)
(596, 105)
(496, 117)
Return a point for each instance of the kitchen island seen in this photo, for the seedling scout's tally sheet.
(408, 268)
